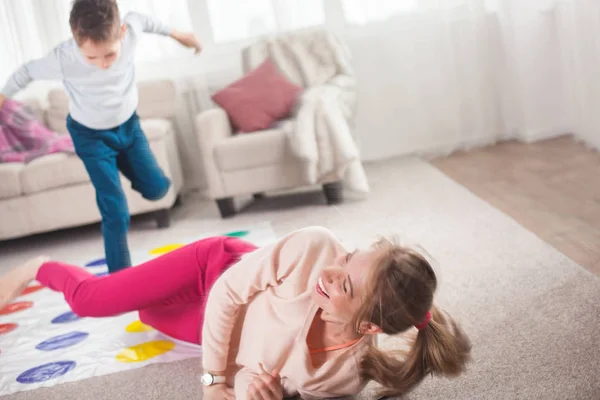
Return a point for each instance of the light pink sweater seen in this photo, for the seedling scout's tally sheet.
(260, 311)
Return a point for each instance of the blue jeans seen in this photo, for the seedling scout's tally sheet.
(104, 153)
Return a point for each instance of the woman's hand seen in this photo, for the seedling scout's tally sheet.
(218, 392)
(266, 386)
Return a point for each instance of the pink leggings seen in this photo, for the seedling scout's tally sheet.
(169, 291)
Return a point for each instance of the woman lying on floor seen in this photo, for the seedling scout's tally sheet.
(295, 317)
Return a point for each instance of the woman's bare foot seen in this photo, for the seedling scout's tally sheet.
(13, 283)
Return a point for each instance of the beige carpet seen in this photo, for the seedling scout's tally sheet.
(532, 314)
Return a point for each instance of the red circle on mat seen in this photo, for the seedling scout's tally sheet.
(5, 328)
(31, 289)
(16, 307)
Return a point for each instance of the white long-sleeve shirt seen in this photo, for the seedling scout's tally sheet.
(99, 99)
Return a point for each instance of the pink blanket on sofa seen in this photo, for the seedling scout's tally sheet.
(23, 138)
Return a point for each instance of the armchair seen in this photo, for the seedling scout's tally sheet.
(313, 147)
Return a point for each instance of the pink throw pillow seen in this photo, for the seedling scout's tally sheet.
(261, 97)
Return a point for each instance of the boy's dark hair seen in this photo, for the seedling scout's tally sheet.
(95, 20)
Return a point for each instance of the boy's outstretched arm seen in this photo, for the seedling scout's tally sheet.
(46, 68)
(144, 23)
(187, 39)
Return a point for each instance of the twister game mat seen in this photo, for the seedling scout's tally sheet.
(42, 343)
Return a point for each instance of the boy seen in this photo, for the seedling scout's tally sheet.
(96, 67)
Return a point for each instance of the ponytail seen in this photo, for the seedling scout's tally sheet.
(440, 348)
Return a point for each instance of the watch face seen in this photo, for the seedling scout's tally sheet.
(207, 379)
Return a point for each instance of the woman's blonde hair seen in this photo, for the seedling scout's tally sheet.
(400, 293)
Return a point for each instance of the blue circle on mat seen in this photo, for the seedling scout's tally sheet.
(64, 318)
(46, 372)
(62, 341)
(96, 263)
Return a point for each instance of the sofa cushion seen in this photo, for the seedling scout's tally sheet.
(57, 111)
(260, 98)
(253, 150)
(52, 171)
(56, 114)
(10, 183)
(157, 99)
(156, 129)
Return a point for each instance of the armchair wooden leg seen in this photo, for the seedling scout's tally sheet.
(163, 218)
(333, 192)
(226, 207)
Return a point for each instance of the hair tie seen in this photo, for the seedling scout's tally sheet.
(425, 322)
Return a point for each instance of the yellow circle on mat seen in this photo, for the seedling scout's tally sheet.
(145, 351)
(138, 326)
(165, 249)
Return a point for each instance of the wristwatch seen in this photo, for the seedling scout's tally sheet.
(209, 379)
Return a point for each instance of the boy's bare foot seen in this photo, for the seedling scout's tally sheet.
(13, 283)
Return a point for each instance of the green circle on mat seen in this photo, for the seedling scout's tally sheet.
(237, 233)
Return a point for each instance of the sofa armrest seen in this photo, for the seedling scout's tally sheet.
(212, 126)
(157, 99)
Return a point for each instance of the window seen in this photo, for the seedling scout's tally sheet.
(360, 12)
(174, 13)
(233, 20)
(298, 14)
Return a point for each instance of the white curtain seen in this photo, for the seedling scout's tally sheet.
(19, 35)
(428, 74)
(234, 20)
(578, 33)
(361, 12)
